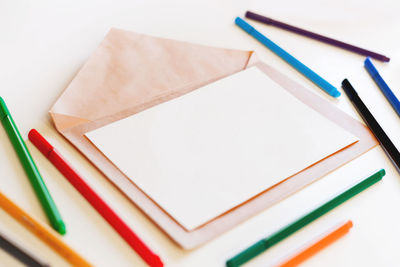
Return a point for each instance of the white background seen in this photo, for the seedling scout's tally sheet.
(44, 43)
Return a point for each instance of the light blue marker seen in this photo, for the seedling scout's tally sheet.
(300, 67)
(382, 85)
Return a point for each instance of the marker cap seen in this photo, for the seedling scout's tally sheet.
(38, 140)
(370, 67)
(244, 25)
(3, 109)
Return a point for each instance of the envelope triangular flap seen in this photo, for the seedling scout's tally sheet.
(130, 69)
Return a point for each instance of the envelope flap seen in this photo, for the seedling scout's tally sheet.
(65, 121)
(130, 69)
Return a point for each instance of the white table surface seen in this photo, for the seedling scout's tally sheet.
(44, 43)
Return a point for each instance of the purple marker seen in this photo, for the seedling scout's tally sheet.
(316, 36)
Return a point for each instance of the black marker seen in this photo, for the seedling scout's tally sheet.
(19, 253)
(372, 124)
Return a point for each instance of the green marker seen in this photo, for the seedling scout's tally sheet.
(286, 231)
(31, 170)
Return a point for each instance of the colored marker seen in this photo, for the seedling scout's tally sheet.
(382, 85)
(20, 253)
(264, 244)
(373, 125)
(318, 245)
(94, 199)
(41, 231)
(300, 67)
(31, 170)
(316, 36)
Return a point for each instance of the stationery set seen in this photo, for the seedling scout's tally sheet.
(173, 111)
(200, 139)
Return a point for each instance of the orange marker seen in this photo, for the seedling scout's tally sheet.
(43, 232)
(318, 245)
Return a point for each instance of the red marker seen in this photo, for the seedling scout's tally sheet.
(94, 199)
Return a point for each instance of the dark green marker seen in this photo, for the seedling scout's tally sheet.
(31, 170)
(286, 231)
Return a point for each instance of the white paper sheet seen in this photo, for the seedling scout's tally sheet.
(202, 154)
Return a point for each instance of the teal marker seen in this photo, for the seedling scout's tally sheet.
(300, 67)
(31, 170)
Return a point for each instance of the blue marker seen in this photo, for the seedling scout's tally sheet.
(300, 67)
(382, 85)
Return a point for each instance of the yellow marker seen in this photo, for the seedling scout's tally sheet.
(43, 232)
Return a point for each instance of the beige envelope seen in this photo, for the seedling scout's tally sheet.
(131, 72)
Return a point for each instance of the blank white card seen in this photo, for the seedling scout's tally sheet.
(202, 154)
